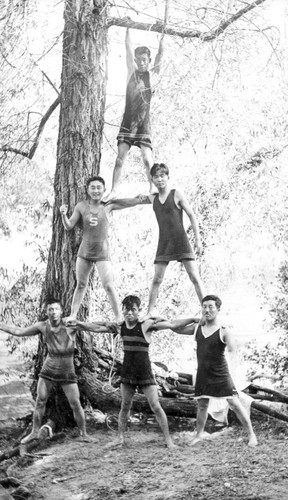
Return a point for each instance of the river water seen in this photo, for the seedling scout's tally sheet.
(15, 397)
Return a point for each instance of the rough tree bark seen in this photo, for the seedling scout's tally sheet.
(83, 90)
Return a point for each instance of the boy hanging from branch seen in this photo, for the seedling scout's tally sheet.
(135, 129)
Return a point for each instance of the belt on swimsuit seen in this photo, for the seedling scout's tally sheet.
(62, 355)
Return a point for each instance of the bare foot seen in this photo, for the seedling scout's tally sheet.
(171, 446)
(149, 315)
(153, 190)
(111, 196)
(199, 437)
(84, 438)
(33, 435)
(117, 443)
(252, 441)
(69, 320)
(119, 320)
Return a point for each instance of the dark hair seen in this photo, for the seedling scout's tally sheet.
(94, 178)
(159, 166)
(218, 302)
(142, 50)
(53, 300)
(130, 300)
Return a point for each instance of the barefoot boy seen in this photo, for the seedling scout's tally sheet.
(58, 367)
(135, 128)
(136, 369)
(173, 243)
(213, 379)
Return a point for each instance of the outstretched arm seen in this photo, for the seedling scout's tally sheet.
(17, 331)
(69, 223)
(186, 330)
(177, 325)
(96, 327)
(128, 202)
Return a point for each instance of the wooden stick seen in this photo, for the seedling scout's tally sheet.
(283, 398)
(269, 411)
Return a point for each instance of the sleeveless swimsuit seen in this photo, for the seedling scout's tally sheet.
(213, 378)
(173, 243)
(94, 246)
(135, 128)
(59, 364)
(136, 369)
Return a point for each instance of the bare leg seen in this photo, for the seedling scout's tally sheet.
(72, 394)
(123, 150)
(43, 390)
(127, 393)
(202, 414)
(151, 394)
(148, 163)
(193, 273)
(83, 269)
(159, 272)
(238, 408)
(104, 269)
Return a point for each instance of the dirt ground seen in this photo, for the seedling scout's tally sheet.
(221, 468)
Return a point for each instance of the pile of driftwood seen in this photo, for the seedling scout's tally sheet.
(176, 391)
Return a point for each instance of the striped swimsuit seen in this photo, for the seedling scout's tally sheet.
(136, 368)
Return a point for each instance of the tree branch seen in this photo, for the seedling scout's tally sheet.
(34, 146)
(160, 27)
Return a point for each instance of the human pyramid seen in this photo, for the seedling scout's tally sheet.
(213, 379)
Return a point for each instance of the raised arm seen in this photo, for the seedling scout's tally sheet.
(129, 53)
(182, 202)
(17, 331)
(75, 217)
(159, 57)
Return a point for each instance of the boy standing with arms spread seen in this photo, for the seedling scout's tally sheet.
(173, 243)
(135, 128)
(58, 367)
(136, 369)
(213, 379)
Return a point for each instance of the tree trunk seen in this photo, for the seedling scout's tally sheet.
(83, 91)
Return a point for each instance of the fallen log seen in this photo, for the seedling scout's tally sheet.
(281, 397)
(106, 398)
(269, 411)
(187, 376)
(185, 389)
(265, 397)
